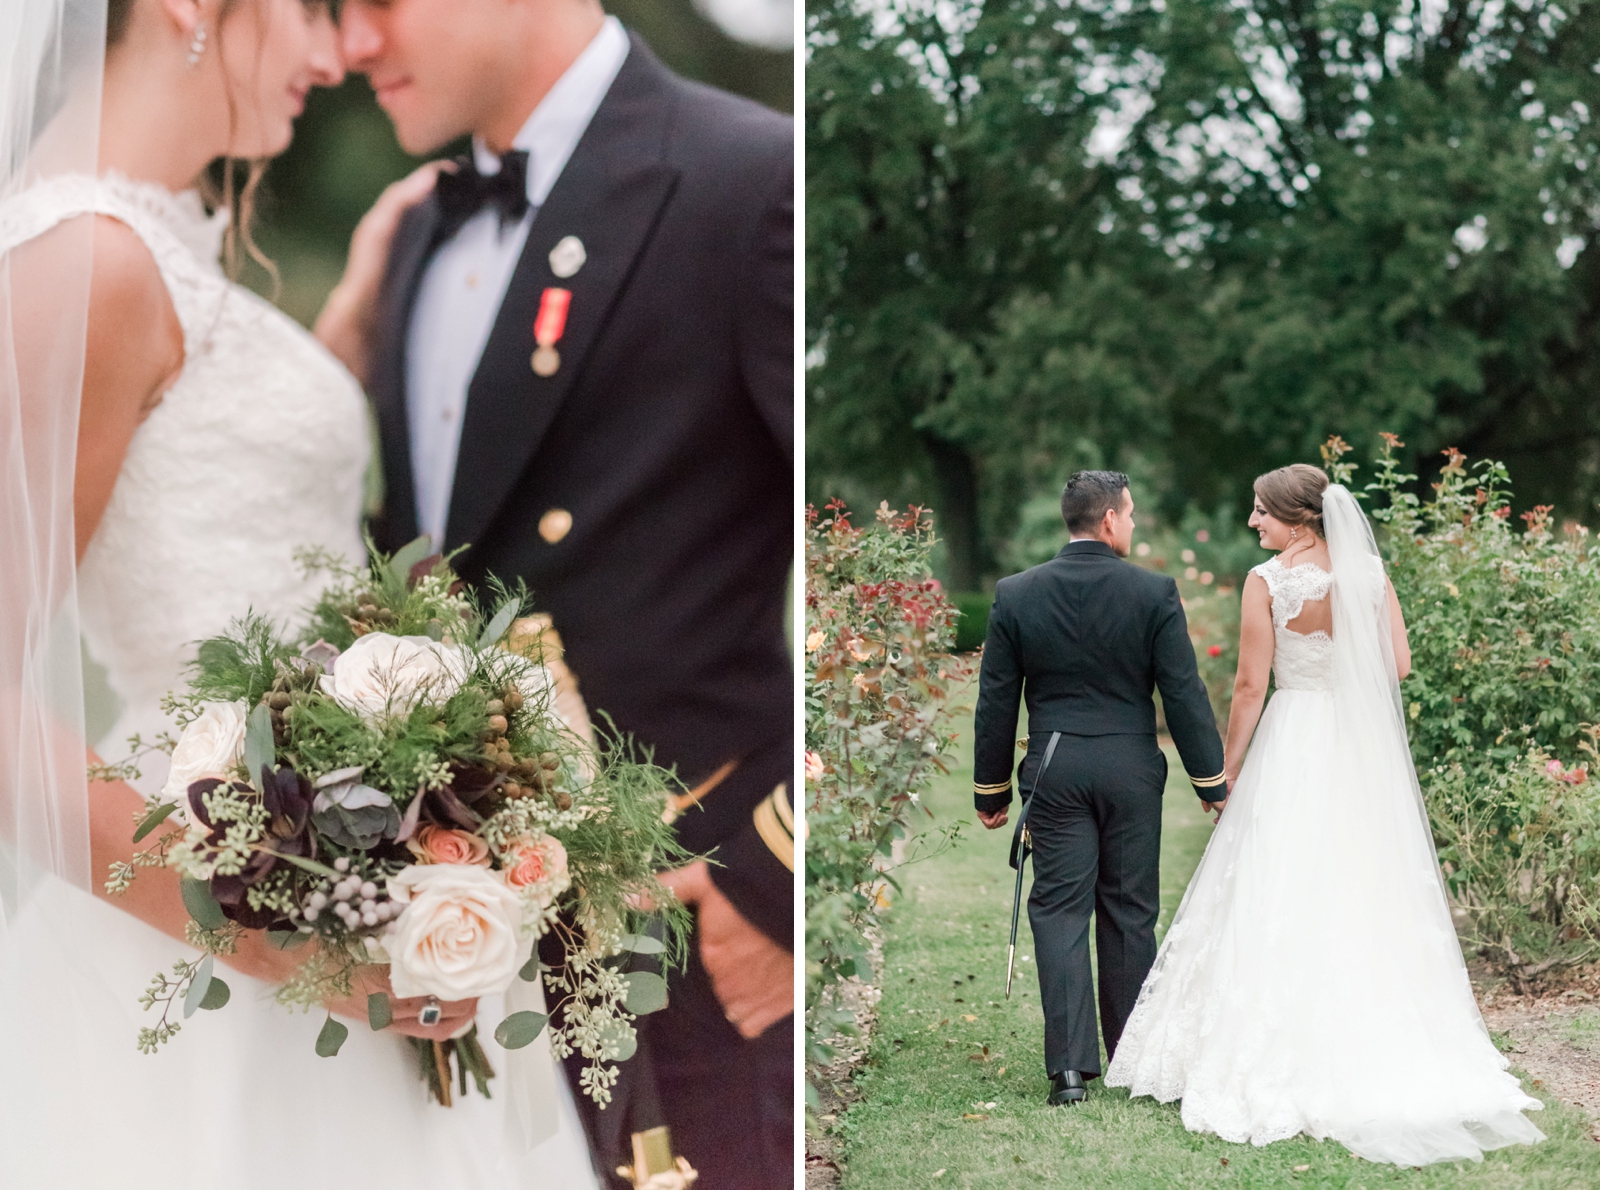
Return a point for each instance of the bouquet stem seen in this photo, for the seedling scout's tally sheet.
(433, 1058)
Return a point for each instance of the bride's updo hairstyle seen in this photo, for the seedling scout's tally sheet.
(1293, 495)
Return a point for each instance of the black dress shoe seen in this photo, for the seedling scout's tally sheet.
(1067, 1087)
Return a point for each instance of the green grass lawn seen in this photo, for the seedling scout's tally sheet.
(954, 1085)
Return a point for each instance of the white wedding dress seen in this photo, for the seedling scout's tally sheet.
(257, 449)
(1311, 981)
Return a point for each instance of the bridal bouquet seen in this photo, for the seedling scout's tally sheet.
(397, 787)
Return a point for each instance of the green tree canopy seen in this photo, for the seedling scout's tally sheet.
(1192, 238)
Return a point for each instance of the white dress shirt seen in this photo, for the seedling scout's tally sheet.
(465, 281)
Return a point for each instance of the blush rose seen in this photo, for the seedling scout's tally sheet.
(458, 935)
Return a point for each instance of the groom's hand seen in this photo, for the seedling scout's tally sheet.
(995, 820)
(1216, 808)
(347, 323)
(752, 976)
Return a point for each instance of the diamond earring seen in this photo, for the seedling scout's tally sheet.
(197, 45)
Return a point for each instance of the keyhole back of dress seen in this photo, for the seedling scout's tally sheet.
(1316, 615)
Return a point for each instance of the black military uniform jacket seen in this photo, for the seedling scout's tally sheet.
(1087, 637)
(644, 489)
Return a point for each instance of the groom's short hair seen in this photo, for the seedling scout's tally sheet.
(1088, 496)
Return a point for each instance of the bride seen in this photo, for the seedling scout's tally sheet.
(181, 439)
(1311, 981)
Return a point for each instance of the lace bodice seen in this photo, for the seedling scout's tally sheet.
(257, 449)
(1300, 661)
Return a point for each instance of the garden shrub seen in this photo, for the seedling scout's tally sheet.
(879, 677)
(1504, 625)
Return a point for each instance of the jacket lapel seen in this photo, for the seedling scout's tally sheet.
(609, 195)
(413, 239)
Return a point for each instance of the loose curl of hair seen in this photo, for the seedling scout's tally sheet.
(219, 186)
(1293, 495)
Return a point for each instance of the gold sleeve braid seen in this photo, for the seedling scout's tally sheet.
(990, 790)
(1208, 782)
(774, 819)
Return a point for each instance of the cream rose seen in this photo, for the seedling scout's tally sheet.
(536, 868)
(458, 935)
(211, 746)
(383, 675)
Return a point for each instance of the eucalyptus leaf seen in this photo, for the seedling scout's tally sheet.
(380, 1012)
(409, 555)
(642, 944)
(286, 939)
(258, 747)
(216, 995)
(519, 1029)
(202, 906)
(198, 987)
(331, 1038)
(647, 992)
(501, 623)
(156, 816)
(530, 969)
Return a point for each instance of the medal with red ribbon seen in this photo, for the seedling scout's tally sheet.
(548, 328)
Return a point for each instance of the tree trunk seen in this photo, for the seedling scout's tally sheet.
(956, 517)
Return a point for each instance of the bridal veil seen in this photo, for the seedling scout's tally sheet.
(51, 57)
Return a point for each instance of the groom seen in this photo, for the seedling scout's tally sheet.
(583, 371)
(1085, 638)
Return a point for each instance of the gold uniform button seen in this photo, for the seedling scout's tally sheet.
(555, 524)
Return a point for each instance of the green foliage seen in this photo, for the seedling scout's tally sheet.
(973, 626)
(520, 1029)
(1189, 239)
(879, 677)
(1520, 845)
(331, 1037)
(1505, 635)
(1505, 644)
(240, 664)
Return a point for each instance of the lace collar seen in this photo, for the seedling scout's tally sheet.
(183, 214)
(1274, 561)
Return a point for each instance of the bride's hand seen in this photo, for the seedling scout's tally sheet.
(457, 1015)
(346, 323)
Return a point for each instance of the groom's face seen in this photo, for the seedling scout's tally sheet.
(437, 66)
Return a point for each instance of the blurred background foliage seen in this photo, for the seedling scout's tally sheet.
(1190, 239)
(344, 151)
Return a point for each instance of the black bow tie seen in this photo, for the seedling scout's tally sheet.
(465, 192)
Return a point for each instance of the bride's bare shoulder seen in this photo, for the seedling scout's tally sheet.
(135, 341)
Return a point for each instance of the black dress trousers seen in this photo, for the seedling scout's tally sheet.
(1096, 825)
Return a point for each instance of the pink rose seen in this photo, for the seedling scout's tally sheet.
(537, 866)
(439, 845)
(1553, 769)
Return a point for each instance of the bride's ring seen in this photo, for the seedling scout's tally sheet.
(431, 1013)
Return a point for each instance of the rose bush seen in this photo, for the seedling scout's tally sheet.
(879, 679)
(1504, 619)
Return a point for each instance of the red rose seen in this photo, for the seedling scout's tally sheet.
(1215, 651)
